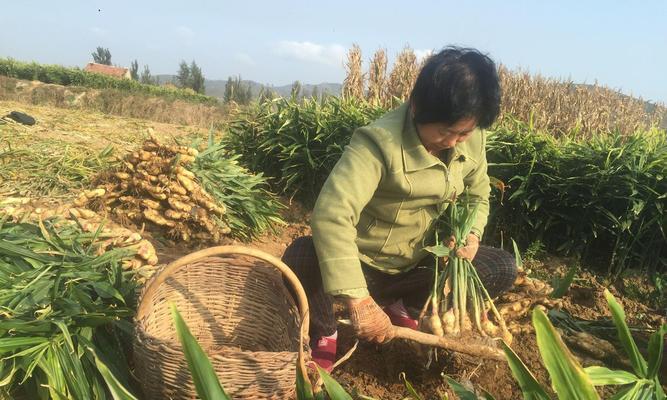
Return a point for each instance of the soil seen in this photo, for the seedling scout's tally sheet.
(372, 370)
(376, 370)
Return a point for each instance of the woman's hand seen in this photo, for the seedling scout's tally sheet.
(369, 321)
(470, 249)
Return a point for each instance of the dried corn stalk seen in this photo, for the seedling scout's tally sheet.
(353, 85)
(403, 75)
(377, 77)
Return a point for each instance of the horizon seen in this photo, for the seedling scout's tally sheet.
(612, 45)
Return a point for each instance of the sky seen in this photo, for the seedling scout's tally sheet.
(619, 44)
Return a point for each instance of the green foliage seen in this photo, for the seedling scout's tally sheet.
(134, 70)
(183, 75)
(197, 78)
(146, 78)
(333, 388)
(561, 286)
(297, 143)
(602, 198)
(66, 312)
(567, 377)
(463, 393)
(102, 56)
(266, 94)
(530, 387)
(251, 207)
(295, 91)
(49, 168)
(59, 75)
(571, 381)
(190, 76)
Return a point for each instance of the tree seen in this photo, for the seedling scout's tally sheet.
(236, 91)
(102, 56)
(146, 77)
(229, 90)
(134, 70)
(183, 75)
(197, 78)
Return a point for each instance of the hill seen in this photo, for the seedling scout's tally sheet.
(216, 87)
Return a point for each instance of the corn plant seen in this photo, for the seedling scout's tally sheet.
(65, 313)
(570, 381)
(353, 85)
(561, 107)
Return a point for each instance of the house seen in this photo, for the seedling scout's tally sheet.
(116, 72)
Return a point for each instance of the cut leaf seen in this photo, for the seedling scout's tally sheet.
(460, 390)
(655, 348)
(602, 376)
(564, 284)
(411, 390)
(629, 345)
(333, 388)
(530, 387)
(567, 377)
(118, 391)
(203, 375)
(439, 250)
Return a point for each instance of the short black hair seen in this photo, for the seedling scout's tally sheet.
(457, 83)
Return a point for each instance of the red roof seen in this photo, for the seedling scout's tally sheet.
(118, 72)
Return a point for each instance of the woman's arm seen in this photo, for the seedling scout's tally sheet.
(349, 187)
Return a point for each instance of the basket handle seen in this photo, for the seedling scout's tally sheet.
(172, 268)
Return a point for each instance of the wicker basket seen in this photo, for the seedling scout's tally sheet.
(235, 303)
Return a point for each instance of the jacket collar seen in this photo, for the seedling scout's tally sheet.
(415, 155)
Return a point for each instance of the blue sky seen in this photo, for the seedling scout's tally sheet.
(621, 44)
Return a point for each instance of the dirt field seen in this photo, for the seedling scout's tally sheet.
(372, 370)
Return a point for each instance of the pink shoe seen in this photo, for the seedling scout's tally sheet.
(399, 316)
(323, 352)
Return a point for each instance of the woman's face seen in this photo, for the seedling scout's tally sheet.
(440, 136)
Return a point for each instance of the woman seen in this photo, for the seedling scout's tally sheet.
(379, 205)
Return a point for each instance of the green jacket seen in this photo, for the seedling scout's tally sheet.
(383, 196)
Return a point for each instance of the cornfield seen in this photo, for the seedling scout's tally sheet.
(558, 107)
(563, 107)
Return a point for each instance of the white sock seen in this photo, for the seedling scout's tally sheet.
(334, 336)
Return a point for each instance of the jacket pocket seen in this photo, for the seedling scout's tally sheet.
(366, 223)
